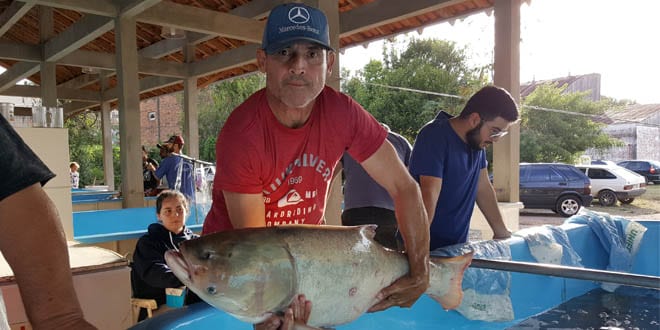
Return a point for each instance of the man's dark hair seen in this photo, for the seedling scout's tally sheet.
(491, 102)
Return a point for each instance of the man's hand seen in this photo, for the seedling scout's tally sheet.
(295, 317)
(502, 234)
(403, 293)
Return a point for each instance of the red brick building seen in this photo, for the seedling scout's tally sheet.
(160, 117)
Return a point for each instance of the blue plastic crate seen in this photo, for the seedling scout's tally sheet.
(174, 297)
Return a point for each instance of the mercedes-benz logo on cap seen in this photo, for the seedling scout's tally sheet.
(298, 15)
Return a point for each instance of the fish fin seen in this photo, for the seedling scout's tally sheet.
(446, 278)
(369, 231)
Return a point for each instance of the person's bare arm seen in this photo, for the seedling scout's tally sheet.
(430, 187)
(245, 210)
(487, 202)
(387, 169)
(33, 243)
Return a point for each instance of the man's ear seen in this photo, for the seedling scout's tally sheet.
(474, 119)
(331, 61)
(261, 60)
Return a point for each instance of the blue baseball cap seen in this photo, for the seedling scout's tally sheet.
(291, 22)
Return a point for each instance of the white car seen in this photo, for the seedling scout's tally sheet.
(610, 183)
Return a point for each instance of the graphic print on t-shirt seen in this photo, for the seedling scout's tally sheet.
(293, 197)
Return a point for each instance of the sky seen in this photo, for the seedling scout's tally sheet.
(618, 39)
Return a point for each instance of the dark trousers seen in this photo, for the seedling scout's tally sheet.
(386, 233)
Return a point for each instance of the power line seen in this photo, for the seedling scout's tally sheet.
(600, 118)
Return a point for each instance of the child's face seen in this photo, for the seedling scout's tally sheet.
(74, 168)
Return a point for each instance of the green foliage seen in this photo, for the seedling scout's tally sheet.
(216, 103)
(547, 136)
(429, 65)
(86, 149)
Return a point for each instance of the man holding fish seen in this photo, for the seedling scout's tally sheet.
(277, 151)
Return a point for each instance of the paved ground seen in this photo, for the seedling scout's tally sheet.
(531, 218)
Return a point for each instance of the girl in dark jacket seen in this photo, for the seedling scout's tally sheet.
(150, 275)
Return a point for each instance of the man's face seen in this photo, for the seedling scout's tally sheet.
(164, 151)
(487, 132)
(295, 75)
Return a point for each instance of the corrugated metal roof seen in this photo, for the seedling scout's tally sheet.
(634, 113)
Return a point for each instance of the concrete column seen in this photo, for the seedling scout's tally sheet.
(335, 196)
(47, 69)
(129, 113)
(106, 131)
(191, 115)
(506, 152)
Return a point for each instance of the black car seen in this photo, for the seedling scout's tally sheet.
(650, 169)
(561, 188)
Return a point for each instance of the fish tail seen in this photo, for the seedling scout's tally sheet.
(446, 278)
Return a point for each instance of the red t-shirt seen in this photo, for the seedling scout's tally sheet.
(292, 168)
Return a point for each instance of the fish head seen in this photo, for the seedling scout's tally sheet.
(248, 278)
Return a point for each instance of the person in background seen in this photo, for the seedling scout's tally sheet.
(150, 181)
(177, 170)
(32, 240)
(367, 202)
(277, 151)
(150, 275)
(75, 175)
(449, 162)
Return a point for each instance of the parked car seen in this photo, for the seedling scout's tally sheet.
(610, 183)
(561, 188)
(648, 168)
(602, 162)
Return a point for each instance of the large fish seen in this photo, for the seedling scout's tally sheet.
(253, 273)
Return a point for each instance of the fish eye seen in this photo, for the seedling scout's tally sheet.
(211, 290)
(206, 255)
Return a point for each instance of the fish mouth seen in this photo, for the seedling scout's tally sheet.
(178, 265)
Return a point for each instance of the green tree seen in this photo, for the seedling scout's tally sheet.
(552, 136)
(216, 102)
(430, 65)
(86, 149)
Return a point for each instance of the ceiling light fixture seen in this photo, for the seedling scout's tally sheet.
(169, 32)
(89, 70)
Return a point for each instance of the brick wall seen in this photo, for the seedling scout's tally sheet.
(160, 117)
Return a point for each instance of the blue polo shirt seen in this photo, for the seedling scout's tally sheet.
(440, 152)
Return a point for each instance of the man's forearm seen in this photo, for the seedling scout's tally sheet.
(413, 225)
(487, 202)
(34, 245)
